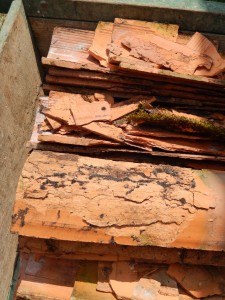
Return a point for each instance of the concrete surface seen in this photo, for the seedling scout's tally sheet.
(20, 84)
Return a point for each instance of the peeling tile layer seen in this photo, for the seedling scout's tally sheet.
(68, 197)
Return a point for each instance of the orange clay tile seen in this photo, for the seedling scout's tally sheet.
(129, 79)
(102, 38)
(157, 285)
(45, 126)
(104, 97)
(168, 286)
(67, 129)
(43, 291)
(73, 139)
(46, 278)
(59, 107)
(78, 132)
(167, 31)
(202, 45)
(177, 145)
(54, 123)
(75, 56)
(86, 283)
(84, 112)
(108, 86)
(71, 45)
(198, 281)
(106, 130)
(122, 28)
(87, 291)
(69, 49)
(56, 270)
(184, 296)
(75, 198)
(159, 40)
(74, 109)
(112, 253)
(157, 132)
(168, 54)
(140, 68)
(104, 269)
(146, 289)
(123, 279)
(123, 108)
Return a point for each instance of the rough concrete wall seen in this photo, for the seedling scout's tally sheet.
(19, 87)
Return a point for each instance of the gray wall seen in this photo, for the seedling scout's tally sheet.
(19, 88)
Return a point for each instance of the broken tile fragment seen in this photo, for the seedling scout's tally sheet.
(104, 269)
(168, 31)
(46, 278)
(176, 145)
(45, 126)
(101, 39)
(73, 139)
(166, 281)
(146, 289)
(60, 107)
(123, 108)
(107, 130)
(86, 283)
(122, 28)
(204, 201)
(123, 279)
(84, 112)
(199, 43)
(104, 97)
(168, 286)
(54, 123)
(198, 281)
(74, 109)
(71, 45)
(183, 294)
(168, 54)
(38, 290)
(85, 290)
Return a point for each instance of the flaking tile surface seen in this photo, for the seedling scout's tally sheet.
(75, 198)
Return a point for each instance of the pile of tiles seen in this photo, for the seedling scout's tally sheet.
(135, 86)
(118, 280)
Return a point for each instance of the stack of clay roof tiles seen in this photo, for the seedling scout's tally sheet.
(176, 99)
(122, 195)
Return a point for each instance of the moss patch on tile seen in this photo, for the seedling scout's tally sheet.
(166, 118)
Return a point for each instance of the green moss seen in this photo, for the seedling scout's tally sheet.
(2, 19)
(147, 240)
(168, 119)
(20, 184)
